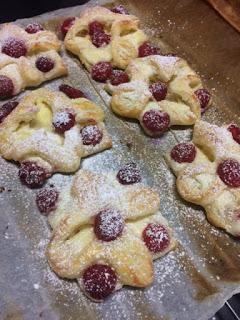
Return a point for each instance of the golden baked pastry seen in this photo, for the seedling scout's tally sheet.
(107, 229)
(27, 59)
(101, 35)
(208, 173)
(162, 91)
(48, 132)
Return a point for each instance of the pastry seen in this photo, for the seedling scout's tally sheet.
(160, 91)
(27, 58)
(107, 229)
(208, 173)
(101, 37)
(48, 132)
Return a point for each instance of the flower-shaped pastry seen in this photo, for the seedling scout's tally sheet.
(208, 173)
(27, 58)
(107, 229)
(48, 132)
(161, 91)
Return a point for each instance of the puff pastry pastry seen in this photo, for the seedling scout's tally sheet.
(162, 91)
(48, 132)
(107, 229)
(208, 173)
(27, 59)
(101, 35)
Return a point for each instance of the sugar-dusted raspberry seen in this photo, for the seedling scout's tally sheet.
(95, 27)
(33, 28)
(120, 9)
(44, 64)
(147, 49)
(204, 97)
(108, 224)
(6, 109)
(46, 200)
(129, 174)
(102, 71)
(63, 121)
(156, 121)
(14, 48)
(32, 175)
(6, 87)
(91, 135)
(118, 77)
(156, 237)
(183, 152)
(99, 281)
(66, 25)
(71, 92)
(158, 90)
(100, 39)
(229, 172)
(235, 131)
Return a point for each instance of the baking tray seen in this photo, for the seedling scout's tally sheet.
(195, 280)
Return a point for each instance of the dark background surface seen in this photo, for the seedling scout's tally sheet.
(11, 10)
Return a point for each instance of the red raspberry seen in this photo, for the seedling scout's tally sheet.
(204, 97)
(229, 172)
(129, 174)
(155, 121)
(32, 175)
(91, 135)
(95, 27)
(118, 77)
(99, 281)
(158, 90)
(147, 49)
(71, 92)
(33, 28)
(44, 64)
(66, 25)
(100, 39)
(120, 9)
(63, 121)
(235, 131)
(46, 200)
(102, 71)
(156, 237)
(183, 152)
(108, 225)
(6, 87)
(14, 48)
(6, 109)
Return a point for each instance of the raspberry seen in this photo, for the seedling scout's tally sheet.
(156, 237)
(204, 97)
(129, 174)
(95, 27)
(158, 90)
(118, 77)
(100, 39)
(14, 48)
(91, 135)
(44, 64)
(157, 122)
(66, 25)
(33, 28)
(102, 71)
(183, 152)
(46, 200)
(6, 109)
(229, 172)
(147, 49)
(32, 175)
(235, 131)
(99, 281)
(63, 121)
(71, 92)
(108, 225)
(120, 9)
(6, 87)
